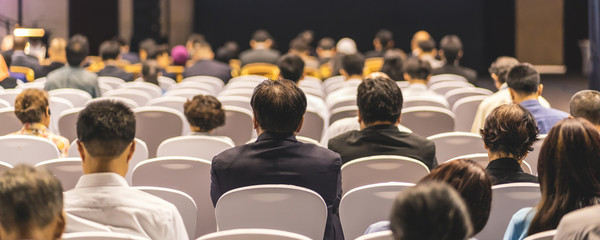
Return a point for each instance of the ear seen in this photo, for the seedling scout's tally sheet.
(540, 88)
(399, 119)
(81, 150)
(460, 54)
(252, 43)
(300, 125)
(406, 76)
(131, 151)
(344, 73)
(441, 53)
(512, 94)
(255, 123)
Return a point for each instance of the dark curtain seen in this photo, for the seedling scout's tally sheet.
(594, 26)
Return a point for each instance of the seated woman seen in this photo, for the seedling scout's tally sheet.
(205, 113)
(508, 134)
(31, 107)
(569, 173)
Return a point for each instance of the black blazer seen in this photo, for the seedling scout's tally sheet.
(469, 74)
(45, 69)
(20, 59)
(114, 71)
(259, 56)
(209, 68)
(507, 170)
(383, 140)
(274, 159)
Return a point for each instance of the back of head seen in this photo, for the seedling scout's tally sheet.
(7, 43)
(307, 35)
(353, 64)
(121, 41)
(31, 105)
(230, 50)
(393, 61)
(31, 199)
(204, 112)
(346, 46)
(385, 38)
(473, 184)
(523, 79)
(109, 50)
(417, 68)
(427, 46)
(326, 43)
(278, 106)
(57, 47)
(261, 35)
(501, 66)
(105, 128)
(430, 211)
(569, 172)
(150, 47)
(586, 104)
(179, 55)
(150, 71)
(291, 66)
(510, 129)
(451, 46)
(417, 37)
(78, 49)
(379, 99)
(299, 45)
(19, 43)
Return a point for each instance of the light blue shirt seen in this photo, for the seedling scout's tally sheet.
(519, 224)
(544, 117)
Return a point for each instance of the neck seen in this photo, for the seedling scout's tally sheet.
(101, 165)
(417, 81)
(198, 129)
(377, 123)
(520, 99)
(354, 77)
(496, 155)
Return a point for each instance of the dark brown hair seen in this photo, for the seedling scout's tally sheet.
(510, 129)
(31, 105)
(204, 112)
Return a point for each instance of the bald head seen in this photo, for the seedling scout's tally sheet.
(586, 104)
(419, 37)
(19, 43)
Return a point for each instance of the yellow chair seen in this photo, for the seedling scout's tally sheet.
(177, 70)
(312, 72)
(29, 73)
(325, 70)
(135, 69)
(235, 65)
(262, 69)
(372, 65)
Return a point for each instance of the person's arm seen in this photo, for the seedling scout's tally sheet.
(178, 228)
(215, 192)
(519, 224)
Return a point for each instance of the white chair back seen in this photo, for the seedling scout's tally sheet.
(545, 235)
(186, 93)
(4, 166)
(10, 122)
(67, 170)
(454, 144)
(247, 78)
(35, 84)
(77, 97)
(343, 101)
(443, 87)
(100, 236)
(253, 234)
(205, 147)
(237, 101)
(423, 101)
(10, 95)
(156, 124)
(383, 235)
(152, 89)
(113, 82)
(139, 96)
(532, 157)
(67, 123)
(428, 121)
(4, 104)
(173, 102)
(204, 86)
(246, 92)
(216, 82)
(313, 125)
(464, 112)
(104, 88)
(57, 106)
(165, 83)
(446, 78)
(456, 94)
(343, 112)
(127, 101)
(26, 149)
(238, 125)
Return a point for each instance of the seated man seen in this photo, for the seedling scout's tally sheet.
(102, 200)
(32, 205)
(206, 65)
(110, 54)
(451, 52)
(19, 58)
(384, 40)
(277, 157)
(261, 51)
(352, 70)
(417, 72)
(326, 50)
(427, 52)
(581, 224)
(126, 55)
(586, 104)
(525, 88)
(73, 75)
(299, 47)
(379, 107)
(57, 56)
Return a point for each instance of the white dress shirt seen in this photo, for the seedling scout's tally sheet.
(421, 90)
(105, 202)
(345, 125)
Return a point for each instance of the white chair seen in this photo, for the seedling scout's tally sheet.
(186, 174)
(313, 125)
(238, 124)
(67, 123)
(545, 235)
(483, 160)
(26, 149)
(507, 199)
(246, 78)
(152, 89)
(309, 83)
(111, 81)
(383, 235)
(237, 101)
(196, 85)
(10, 122)
(104, 88)
(428, 121)
(423, 101)
(165, 83)
(343, 112)
(273, 206)
(173, 102)
(455, 94)
(4, 104)
(445, 78)
(443, 87)
(10, 95)
(4, 166)
(532, 157)
(253, 234)
(186, 93)
(129, 102)
(67, 170)
(205, 147)
(139, 96)
(76, 96)
(454, 144)
(381, 168)
(328, 84)
(34, 84)
(464, 112)
(184, 203)
(156, 124)
(100, 236)
(363, 206)
(313, 91)
(216, 82)
(343, 101)
(246, 92)
(57, 106)
(241, 85)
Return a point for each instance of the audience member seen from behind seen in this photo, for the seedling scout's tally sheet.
(429, 53)
(148, 49)
(73, 75)
(383, 41)
(260, 51)
(102, 200)
(418, 72)
(430, 211)
(352, 70)
(586, 104)
(57, 54)
(230, 50)
(326, 50)
(32, 109)
(301, 48)
(451, 52)
(110, 53)
(419, 36)
(525, 88)
(393, 61)
(379, 106)
(32, 204)
(126, 55)
(569, 174)
(151, 72)
(205, 113)
(205, 65)
(508, 134)
(19, 58)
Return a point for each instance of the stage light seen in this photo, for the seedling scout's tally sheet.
(29, 32)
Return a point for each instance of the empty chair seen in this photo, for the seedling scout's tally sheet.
(111, 81)
(4, 104)
(25, 149)
(204, 86)
(349, 100)
(186, 93)
(156, 124)
(186, 174)
(184, 203)
(100, 236)
(507, 199)
(545, 235)
(67, 123)
(270, 206)
(9, 95)
(381, 168)
(57, 106)
(253, 233)
(532, 157)
(205, 147)
(10, 122)
(312, 91)
(446, 78)
(174, 102)
(343, 112)
(363, 206)
(76, 96)
(238, 125)
(246, 78)
(152, 89)
(456, 94)
(313, 125)
(423, 101)
(104, 88)
(67, 170)
(443, 87)
(216, 82)
(241, 84)
(247, 92)
(267, 70)
(165, 83)
(428, 121)
(129, 102)
(464, 112)
(383, 235)
(454, 144)
(237, 101)
(139, 96)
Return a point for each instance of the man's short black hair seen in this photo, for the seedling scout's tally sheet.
(451, 45)
(384, 36)
(121, 41)
(379, 99)
(299, 44)
(150, 47)
(523, 78)
(109, 50)
(30, 198)
(195, 38)
(106, 128)
(427, 45)
(501, 66)
(150, 71)
(326, 43)
(261, 35)
(291, 67)
(78, 49)
(586, 104)
(417, 68)
(278, 106)
(353, 64)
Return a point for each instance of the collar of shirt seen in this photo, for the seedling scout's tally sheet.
(531, 103)
(505, 163)
(34, 127)
(417, 86)
(271, 136)
(503, 86)
(382, 127)
(108, 179)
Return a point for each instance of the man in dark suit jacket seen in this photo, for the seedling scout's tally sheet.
(277, 157)
(379, 106)
(19, 58)
(205, 64)
(451, 52)
(261, 51)
(384, 40)
(110, 53)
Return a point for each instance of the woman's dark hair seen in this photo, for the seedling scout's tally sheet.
(569, 172)
(204, 112)
(473, 184)
(510, 129)
(393, 61)
(31, 105)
